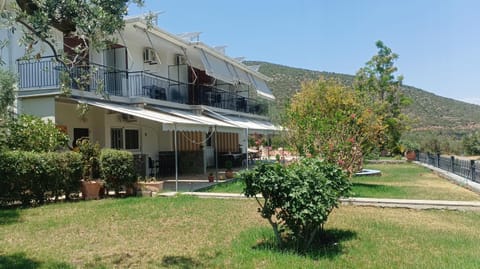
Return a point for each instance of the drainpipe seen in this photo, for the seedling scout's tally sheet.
(246, 137)
(216, 155)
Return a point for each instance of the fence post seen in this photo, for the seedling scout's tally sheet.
(438, 160)
(472, 170)
(452, 161)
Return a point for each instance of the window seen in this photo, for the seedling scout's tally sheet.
(131, 139)
(116, 135)
(79, 133)
(125, 139)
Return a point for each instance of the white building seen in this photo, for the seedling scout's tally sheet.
(166, 96)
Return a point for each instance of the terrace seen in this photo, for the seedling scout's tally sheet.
(46, 73)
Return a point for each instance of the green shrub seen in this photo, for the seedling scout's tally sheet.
(297, 199)
(10, 167)
(69, 173)
(30, 133)
(32, 178)
(118, 168)
(90, 153)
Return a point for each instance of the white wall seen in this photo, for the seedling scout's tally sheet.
(14, 50)
(136, 40)
(43, 107)
(67, 115)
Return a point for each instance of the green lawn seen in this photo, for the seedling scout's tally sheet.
(403, 181)
(409, 181)
(188, 232)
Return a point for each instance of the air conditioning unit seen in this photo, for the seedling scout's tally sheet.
(149, 56)
(180, 59)
(128, 118)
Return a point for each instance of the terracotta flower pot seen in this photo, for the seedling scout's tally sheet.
(153, 186)
(211, 178)
(229, 174)
(91, 190)
(411, 155)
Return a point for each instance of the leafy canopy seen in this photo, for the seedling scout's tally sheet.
(30, 133)
(7, 97)
(328, 119)
(91, 22)
(378, 84)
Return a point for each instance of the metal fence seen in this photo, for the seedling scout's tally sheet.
(469, 169)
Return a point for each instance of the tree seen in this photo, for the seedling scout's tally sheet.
(7, 97)
(7, 93)
(471, 143)
(378, 84)
(88, 24)
(328, 119)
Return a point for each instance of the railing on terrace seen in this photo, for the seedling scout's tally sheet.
(46, 73)
(214, 97)
(469, 169)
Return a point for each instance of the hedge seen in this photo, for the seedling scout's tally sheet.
(32, 178)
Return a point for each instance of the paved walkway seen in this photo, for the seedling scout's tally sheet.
(396, 203)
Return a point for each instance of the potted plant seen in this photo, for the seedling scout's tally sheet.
(91, 184)
(410, 149)
(211, 177)
(151, 185)
(228, 167)
(142, 190)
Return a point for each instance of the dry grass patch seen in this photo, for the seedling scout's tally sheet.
(133, 232)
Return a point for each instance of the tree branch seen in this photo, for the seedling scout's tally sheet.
(52, 47)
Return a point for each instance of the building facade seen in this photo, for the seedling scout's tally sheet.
(180, 104)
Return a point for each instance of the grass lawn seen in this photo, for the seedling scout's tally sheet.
(402, 181)
(409, 181)
(188, 232)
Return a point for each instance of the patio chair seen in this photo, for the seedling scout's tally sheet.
(153, 166)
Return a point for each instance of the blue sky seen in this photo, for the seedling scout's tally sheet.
(438, 42)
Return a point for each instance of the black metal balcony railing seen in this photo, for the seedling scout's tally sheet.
(214, 97)
(46, 73)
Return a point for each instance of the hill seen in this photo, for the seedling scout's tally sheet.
(428, 111)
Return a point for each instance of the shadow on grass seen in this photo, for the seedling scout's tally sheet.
(329, 245)
(181, 262)
(21, 261)
(9, 216)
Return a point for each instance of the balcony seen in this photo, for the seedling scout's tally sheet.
(46, 73)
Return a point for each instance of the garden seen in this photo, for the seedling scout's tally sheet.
(37, 167)
(298, 221)
(189, 232)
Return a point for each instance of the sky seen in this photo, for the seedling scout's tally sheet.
(438, 41)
